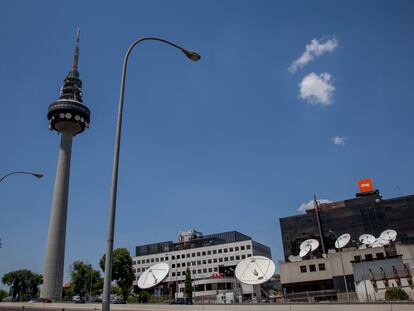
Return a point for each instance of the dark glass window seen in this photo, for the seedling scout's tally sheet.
(303, 269)
(214, 251)
(215, 260)
(230, 249)
(231, 258)
(204, 262)
(248, 246)
(225, 250)
(209, 261)
(210, 269)
(357, 258)
(188, 255)
(192, 254)
(321, 267)
(243, 256)
(208, 252)
(198, 262)
(172, 257)
(220, 251)
(312, 268)
(204, 270)
(368, 257)
(204, 253)
(226, 258)
(237, 257)
(198, 254)
(199, 271)
(236, 248)
(220, 259)
(209, 286)
(173, 265)
(242, 247)
(379, 255)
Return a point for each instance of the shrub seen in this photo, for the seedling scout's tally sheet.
(395, 293)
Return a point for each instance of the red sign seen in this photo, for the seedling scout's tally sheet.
(365, 185)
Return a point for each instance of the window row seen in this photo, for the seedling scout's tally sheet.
(312, 268)
(198, 254)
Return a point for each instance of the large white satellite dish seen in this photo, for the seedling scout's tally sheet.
(377, 243)
(343, 240)
(367, 239)
(255, 270)
(389, 235)
(153, 275)
(312, 243)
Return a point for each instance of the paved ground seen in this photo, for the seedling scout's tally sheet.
(218, 307)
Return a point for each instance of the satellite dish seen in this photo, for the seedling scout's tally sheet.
(389, 235)
(304, 252)
(312, 243)
(383, 242)
(367, 239)
(377, 243)
(292, 258)
(343, 240)
(153, 275)
(255, 270)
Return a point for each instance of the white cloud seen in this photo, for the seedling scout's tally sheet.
(338, 140)
(317, 89)
(313, 49)
(305, 206)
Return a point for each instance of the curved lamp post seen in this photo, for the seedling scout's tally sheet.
(112, 203)
(343, 269)
(37, 175)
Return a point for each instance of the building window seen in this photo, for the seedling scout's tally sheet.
(226, 258)
(188, 255)
(198, 262)
(248, 246)
(204, 253)
(184, 272)
(199, 271)
(157, 259)
(162, 258)
(209, 261)
(208, 252)
(249, 255)
(152, 259)
(231, 258)
(312, 268)
(173, 274)
(183, 264)
(147, 260)
(321, 267)
(209, 287)
(178, 265)
(357, 258)
(173, 265)
(204, 270)
(242, 247)
(178, 256)
(138, 270)
(236, 248)
(215, 260)
(214, 251)
(210, 269)
(192, 254)
(368, 257)
(138, 262)
(230, 249)
(193, 263)
(379, 255)
(198, 254)
(215, 269)
(220, 251)
(194, 271)
(243, 256)
(237, 257)
(172, 257)
(178, 273)
(204, 262)
(225, 250)
(220, 259)
(166, 258)
(303, 269)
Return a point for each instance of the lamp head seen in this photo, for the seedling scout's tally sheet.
(37, 175)
(191, 55)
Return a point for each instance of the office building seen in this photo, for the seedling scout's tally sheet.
(211, 260)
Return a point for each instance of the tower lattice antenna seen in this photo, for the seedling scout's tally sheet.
(76, 52)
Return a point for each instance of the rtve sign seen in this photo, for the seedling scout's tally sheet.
(365, 185)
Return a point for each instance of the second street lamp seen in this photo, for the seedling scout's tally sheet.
(112, 203)
(37, 175)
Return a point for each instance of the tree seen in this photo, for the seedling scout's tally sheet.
(188, 287)
(3, 294)
(121, 270)
(85, 280)
(24, 283)
(395, 293)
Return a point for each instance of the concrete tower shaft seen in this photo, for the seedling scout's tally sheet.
(69, 117)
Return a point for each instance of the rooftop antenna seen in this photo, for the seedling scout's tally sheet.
(316, 203)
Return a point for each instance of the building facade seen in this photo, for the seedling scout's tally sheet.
(358, 272)
(211, 260)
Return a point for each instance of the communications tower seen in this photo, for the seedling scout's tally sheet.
(69, 117)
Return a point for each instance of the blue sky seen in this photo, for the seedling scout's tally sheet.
(232, 142)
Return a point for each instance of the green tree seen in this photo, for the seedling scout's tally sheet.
(395, 293)
(188, 288)
(24, 282)
(121, 270)
(3, 294)
(85, 280)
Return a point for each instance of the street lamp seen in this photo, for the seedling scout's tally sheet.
(343, 269)
(37, 175)
(112, 203)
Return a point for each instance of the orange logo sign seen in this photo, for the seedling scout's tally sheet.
(365, 185)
